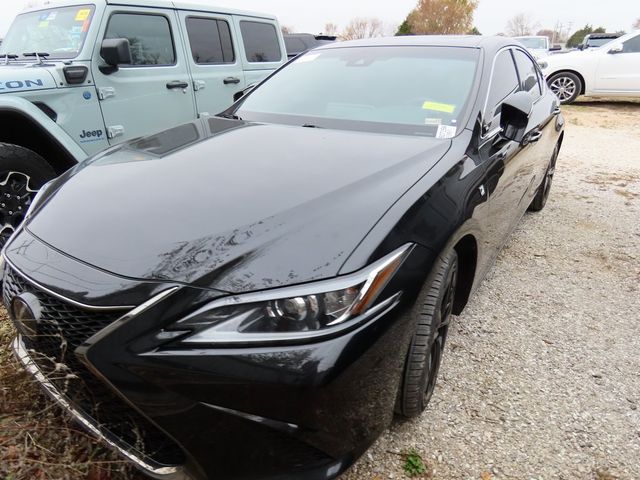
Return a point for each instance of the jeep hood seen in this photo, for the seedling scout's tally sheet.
(231, 205)
(21, 78)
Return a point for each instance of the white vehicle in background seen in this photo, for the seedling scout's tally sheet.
(538, 45)
(611, 70)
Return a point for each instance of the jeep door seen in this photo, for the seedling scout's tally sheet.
(154, 92)
(620, 72)
(263, 47)
(216, 67)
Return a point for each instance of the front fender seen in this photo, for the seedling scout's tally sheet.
(18, 105)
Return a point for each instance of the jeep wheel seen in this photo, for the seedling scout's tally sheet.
(566, 85)
(22, 173)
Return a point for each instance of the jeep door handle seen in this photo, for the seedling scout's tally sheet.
(230, 80)
(177, 84)
(556, 110)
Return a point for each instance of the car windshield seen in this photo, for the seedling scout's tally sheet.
(399, 89)
(534, 43)
(60, 32)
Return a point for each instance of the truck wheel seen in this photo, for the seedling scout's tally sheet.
(432, 316)
(22, 173)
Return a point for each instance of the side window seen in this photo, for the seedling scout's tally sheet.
(210, 40)
(529, 81)
(149, 37)
(504, 81)
(260, 42)
(632, 45)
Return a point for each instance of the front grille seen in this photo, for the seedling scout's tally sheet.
(63, 327)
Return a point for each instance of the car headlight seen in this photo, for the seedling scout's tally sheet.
(293, 313)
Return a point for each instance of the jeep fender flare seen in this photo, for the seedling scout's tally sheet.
(24, 124)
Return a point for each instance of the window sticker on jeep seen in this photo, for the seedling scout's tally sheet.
(83, 14)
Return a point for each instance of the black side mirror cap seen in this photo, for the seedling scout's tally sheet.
(514, 117)
(555, 48)
(115, 52)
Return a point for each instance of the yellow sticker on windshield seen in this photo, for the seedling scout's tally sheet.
(43, 24)
(439, 107)
(83, 14)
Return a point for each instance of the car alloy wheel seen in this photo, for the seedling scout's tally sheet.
(564, 87)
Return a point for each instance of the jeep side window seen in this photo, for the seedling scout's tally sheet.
(528, 75)
(260, 41)
(210, 40)
(504, 81)
(149, 36)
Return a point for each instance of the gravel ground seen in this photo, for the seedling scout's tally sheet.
(541, 379)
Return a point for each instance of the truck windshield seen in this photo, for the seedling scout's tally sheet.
(411, 90)
(60, 32)
(534, 43)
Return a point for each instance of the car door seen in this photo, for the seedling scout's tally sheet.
(619, 72)
(263, 49)
(508, 162)
(541, 134)
(216, 67)
(152, 93)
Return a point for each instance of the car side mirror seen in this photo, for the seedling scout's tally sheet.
(237, 96)
(555, 48)
(514, 117)
(617, 48)
(115, 52)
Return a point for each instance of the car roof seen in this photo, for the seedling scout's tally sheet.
(488, 43)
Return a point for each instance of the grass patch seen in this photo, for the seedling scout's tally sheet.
(38, 440)
(413, 465)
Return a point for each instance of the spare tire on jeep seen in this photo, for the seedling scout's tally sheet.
(22, 173)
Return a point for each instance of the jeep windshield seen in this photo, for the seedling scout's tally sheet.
(60, 32)
(411, 90)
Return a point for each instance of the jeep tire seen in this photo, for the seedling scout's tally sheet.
(22, 173)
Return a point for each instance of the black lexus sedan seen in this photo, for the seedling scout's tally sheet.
(253, 295)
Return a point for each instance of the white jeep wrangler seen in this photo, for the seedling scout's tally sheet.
(79, 76)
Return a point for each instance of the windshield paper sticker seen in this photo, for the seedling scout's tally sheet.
(438, 107)
(308, 58)
(446, 131)
(83, 14)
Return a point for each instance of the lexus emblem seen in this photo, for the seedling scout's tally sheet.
(25, 312)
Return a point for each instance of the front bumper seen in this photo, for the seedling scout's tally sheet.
(285, 412)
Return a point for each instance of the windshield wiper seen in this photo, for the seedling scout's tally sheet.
(229, 115)
(8, 56)
(310, 125)
(40, 56)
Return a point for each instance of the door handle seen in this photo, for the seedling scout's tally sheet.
(556, 110)
(230, 80)
(535, 136)
(177, 84)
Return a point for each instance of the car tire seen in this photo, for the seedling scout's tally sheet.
(432, 313)
(566, 85)
(542, 194)
(22, 173)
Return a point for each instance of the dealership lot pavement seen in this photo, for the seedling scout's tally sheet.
(542, 374)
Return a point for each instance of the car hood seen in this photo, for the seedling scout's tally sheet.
(231, 205)
(19, 78)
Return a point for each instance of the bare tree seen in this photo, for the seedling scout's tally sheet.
(331, 29)
(446, 17)
(546, 32)
(363, 28)
(519, 25)
(287, 29)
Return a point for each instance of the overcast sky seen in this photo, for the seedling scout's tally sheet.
(491, 16)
